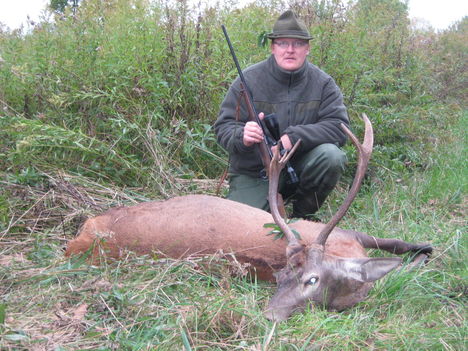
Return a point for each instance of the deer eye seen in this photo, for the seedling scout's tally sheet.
(312, 281)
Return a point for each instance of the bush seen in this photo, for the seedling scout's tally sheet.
(127, 90)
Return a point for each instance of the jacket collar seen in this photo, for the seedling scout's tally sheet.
(284, 76)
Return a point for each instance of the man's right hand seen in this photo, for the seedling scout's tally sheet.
(253, 132)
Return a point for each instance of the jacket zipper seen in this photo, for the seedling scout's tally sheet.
(289, 100)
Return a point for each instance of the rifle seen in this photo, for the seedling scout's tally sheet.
(270, 121)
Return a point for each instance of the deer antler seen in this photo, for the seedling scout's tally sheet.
(365, 151)
(276, 165)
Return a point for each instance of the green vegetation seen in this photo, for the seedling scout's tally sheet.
(112, 102)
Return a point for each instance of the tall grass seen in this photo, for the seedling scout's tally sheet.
(114, 70)
(142, 303)
(113, 104)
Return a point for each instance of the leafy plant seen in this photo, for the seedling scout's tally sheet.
(278, 233)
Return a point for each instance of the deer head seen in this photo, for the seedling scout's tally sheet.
(311, 276)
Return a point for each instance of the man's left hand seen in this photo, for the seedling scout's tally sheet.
(286, 142)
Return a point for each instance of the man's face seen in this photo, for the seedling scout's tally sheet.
(290, 53)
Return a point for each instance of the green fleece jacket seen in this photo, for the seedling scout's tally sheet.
(308, 104)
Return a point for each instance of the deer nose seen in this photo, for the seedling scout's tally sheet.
(277, 314)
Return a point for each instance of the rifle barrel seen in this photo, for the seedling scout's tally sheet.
(247, 92)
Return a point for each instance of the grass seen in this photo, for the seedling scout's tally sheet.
(141, 303)
(114, 105)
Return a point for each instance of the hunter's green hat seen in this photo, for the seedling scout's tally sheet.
(289, 26)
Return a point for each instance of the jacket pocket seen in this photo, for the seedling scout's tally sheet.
(306, 112)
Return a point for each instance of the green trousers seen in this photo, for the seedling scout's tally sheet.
(319, 170)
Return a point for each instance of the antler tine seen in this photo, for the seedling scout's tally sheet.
(365, 151)
(276, 165)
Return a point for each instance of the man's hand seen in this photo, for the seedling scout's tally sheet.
(286, 142)
(253, 132)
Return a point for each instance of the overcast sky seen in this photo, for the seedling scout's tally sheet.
(439, 13)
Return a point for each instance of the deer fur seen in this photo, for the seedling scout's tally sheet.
(200, 224)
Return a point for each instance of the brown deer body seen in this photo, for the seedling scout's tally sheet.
(197, 225)
(336, 274)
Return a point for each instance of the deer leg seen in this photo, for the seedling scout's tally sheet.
(394, 246)
(419, 260)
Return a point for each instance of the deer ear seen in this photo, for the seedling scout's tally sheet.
(371, 269)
